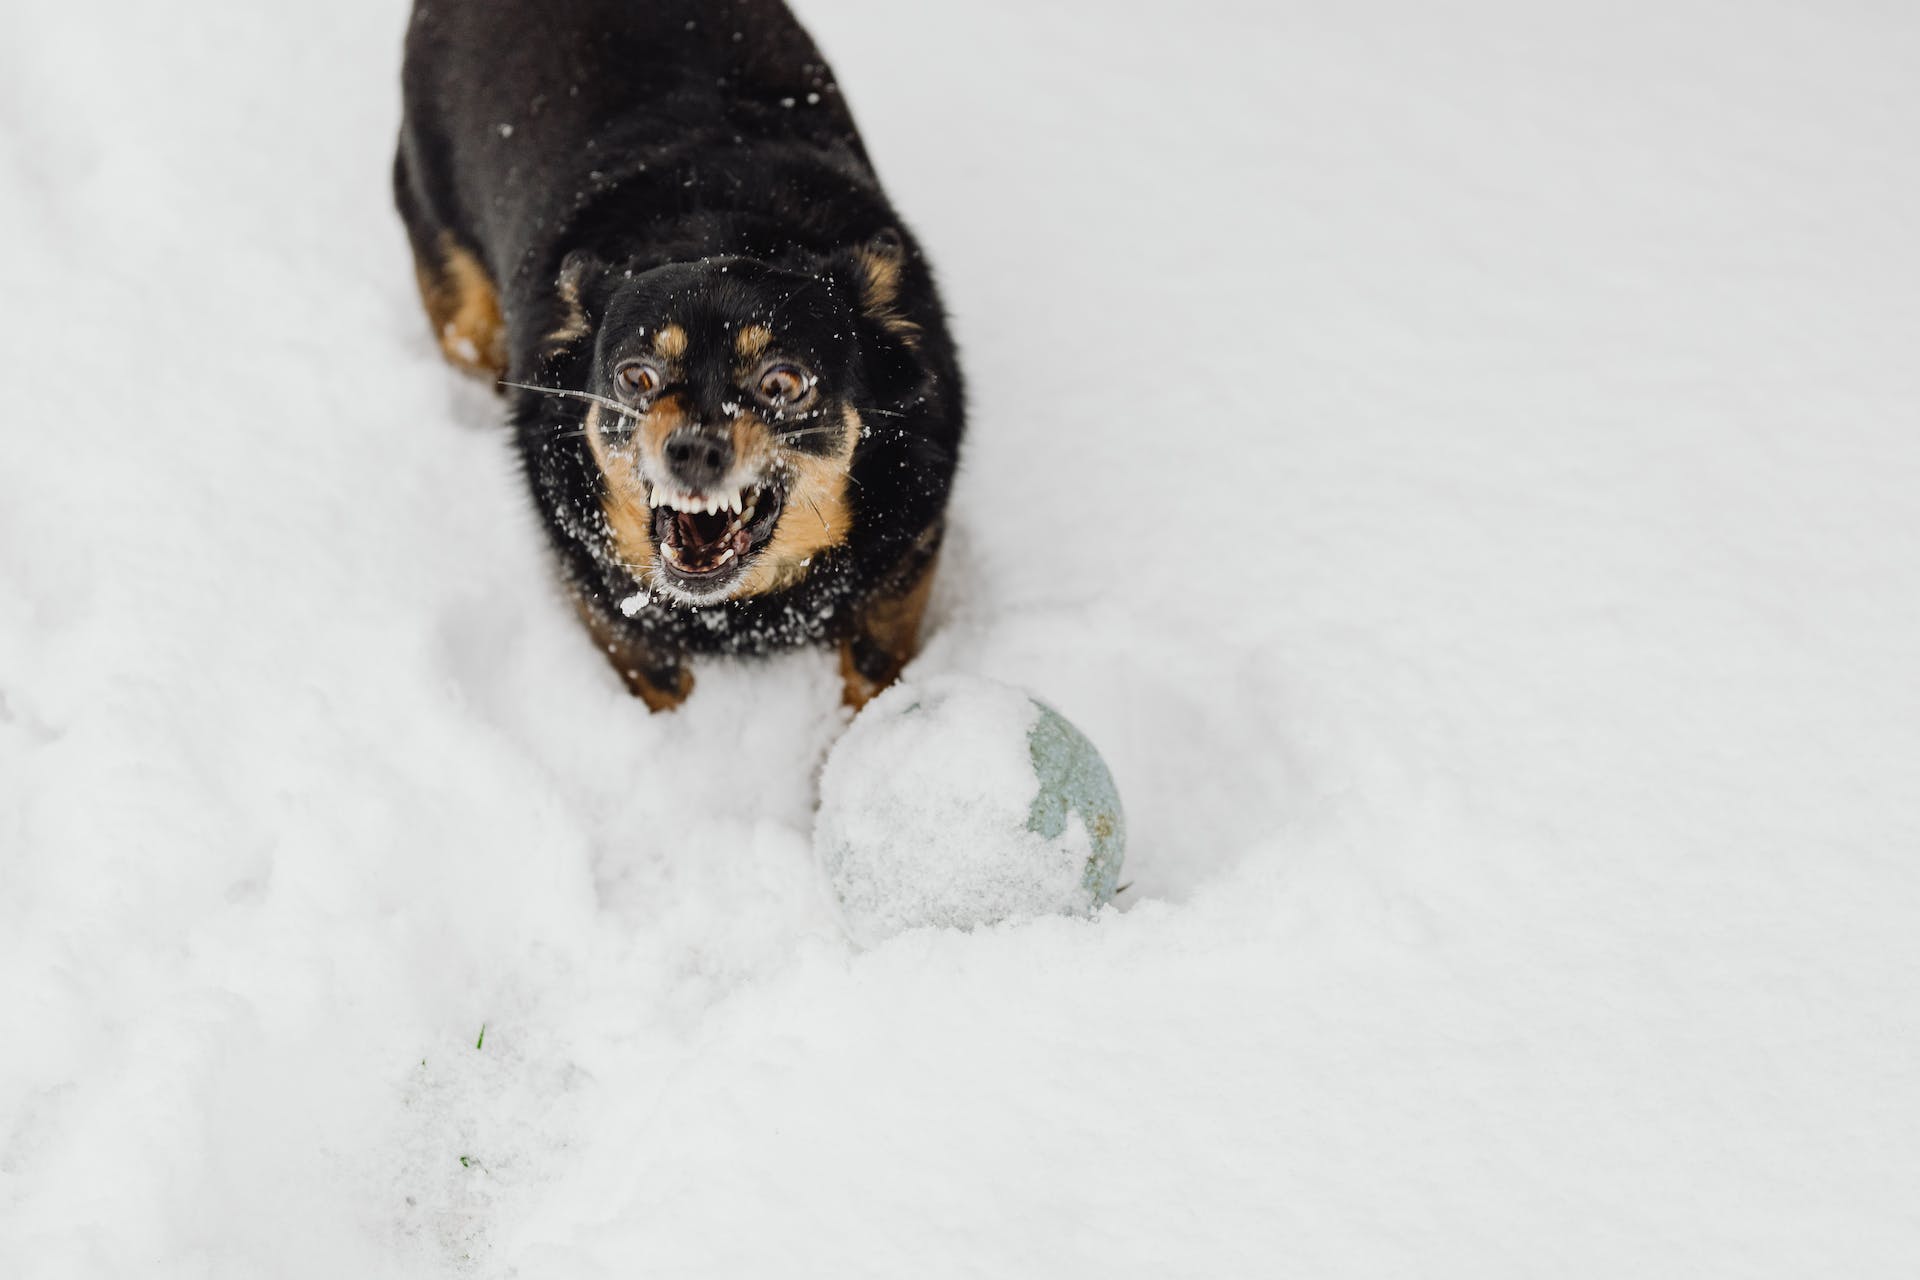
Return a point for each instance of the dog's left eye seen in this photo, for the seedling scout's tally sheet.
(782, 386)
(637, 379)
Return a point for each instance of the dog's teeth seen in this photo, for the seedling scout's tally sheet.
(725, 556)
(738, 502)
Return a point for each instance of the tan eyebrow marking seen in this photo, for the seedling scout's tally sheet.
(670, 342)
(752, 340)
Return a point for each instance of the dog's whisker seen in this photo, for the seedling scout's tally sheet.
(567, 392)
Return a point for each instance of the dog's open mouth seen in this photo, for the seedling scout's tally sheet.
(704, 540)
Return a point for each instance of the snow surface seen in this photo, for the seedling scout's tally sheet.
(1459, 461)
(926, 807)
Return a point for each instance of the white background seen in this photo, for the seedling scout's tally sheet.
(1459, 461)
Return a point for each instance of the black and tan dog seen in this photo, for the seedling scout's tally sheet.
(729, 376)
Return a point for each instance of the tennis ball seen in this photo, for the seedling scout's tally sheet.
(960, 801)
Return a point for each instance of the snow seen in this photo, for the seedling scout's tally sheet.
(1457, 462)
(927, 807)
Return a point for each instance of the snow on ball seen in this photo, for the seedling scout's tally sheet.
(961, 801)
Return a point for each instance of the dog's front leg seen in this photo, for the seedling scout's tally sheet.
(887, 630)
(656, 677)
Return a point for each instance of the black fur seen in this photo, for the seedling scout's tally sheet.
(603, 141)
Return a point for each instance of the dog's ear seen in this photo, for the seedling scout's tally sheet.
(875, 271)
(878, 266)
(581, 290)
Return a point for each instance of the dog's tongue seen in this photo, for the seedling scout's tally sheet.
(695, 530)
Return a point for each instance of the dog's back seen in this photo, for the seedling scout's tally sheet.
(518, 111)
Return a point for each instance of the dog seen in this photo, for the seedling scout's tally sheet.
(653, 225)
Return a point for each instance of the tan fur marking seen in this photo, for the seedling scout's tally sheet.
(464, 309)
(752, 340)
(816, 519)
(880, 277)
(662, 418)
(576, 325)
(657, 698)
(755, 449)
(892, 623)
(671, 342)
(628, 515)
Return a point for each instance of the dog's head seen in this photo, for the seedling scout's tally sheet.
(728, 396)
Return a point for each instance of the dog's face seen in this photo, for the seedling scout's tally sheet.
(728, 401)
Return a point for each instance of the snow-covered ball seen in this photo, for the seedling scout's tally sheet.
(961, 801)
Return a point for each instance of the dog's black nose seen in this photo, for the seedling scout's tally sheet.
(698, 458)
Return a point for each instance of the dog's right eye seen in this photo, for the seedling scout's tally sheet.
(637, 379)
(784, 386)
